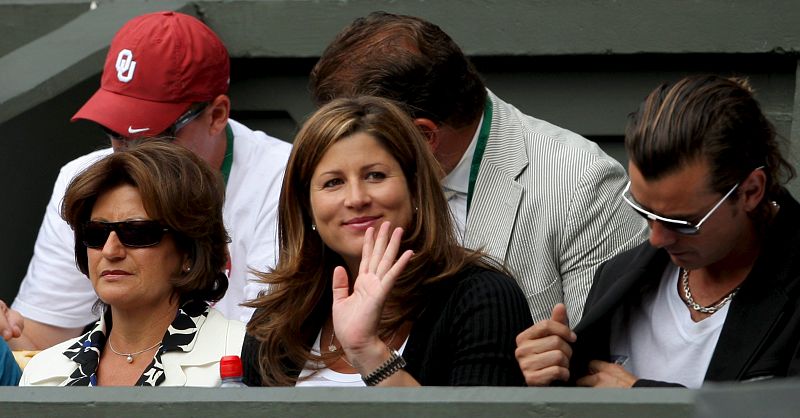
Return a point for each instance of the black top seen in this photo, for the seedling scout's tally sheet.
(761, 334)
(465, 336)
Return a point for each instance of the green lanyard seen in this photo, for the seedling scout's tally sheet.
(227, 163)
(480, 147)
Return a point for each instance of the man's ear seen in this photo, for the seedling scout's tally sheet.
(431, 132)
(219, 110)
(753, 189)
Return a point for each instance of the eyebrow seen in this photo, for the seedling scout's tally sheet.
(362, 169)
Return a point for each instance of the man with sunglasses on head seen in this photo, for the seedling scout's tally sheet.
(166, 75)
(715, 293)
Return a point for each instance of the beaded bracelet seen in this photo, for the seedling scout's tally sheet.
(388, 368)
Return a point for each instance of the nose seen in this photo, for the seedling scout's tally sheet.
(661, 236)
(357, 195)
(113, 248)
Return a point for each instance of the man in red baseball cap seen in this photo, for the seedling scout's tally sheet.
(166, 75)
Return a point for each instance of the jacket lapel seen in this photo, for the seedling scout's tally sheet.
(618, 278)
(752, 315)
(497, 194)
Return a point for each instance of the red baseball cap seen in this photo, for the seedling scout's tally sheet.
(158, 65)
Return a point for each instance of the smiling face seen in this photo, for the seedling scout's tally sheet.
(125, 277)
(357, 184)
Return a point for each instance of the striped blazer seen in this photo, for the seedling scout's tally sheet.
(547, 204)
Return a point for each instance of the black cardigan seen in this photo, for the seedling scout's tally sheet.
(465, 336)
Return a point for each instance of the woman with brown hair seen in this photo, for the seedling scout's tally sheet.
(150, 237)
(360, 188)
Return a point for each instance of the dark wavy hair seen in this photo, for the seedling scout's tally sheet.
(713, 119)
(300, 285)
(405, 59)
(179, 190)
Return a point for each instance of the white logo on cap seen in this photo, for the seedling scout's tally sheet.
(125, 65)
(132, 130)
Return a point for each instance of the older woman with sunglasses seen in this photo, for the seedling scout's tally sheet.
(150, 237)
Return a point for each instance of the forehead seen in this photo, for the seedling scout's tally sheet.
(119, 203)
(684, 191)
(354, 151)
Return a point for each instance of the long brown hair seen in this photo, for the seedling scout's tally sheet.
(300, 293)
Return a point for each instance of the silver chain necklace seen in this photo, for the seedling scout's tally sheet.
(689, 300)
(129, 356)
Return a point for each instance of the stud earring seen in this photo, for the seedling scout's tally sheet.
(187, 268)
(313, 227)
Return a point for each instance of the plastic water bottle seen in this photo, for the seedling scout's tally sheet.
(230, 372)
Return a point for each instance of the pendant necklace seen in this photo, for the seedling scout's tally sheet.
(129, 356)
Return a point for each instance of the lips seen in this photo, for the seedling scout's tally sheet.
(114, 273)
(361, 222)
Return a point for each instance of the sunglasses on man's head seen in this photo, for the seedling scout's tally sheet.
(676, 225)
(130, 233)
(193, 113)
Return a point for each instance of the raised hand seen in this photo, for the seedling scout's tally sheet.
(356, 316)
(543, 350)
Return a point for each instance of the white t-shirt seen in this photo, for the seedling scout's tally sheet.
(661, 340)
(56, 293)
(314, 377)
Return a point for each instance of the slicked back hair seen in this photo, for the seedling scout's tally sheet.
(712, 119)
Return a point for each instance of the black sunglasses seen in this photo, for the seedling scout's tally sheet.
(130, 233)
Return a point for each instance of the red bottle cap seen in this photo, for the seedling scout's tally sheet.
(230, 366)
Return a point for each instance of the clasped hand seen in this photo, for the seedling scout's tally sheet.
(544, 352)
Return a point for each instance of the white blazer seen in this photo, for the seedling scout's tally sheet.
(199, 366)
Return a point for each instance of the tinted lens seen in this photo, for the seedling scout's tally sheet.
(680, 228)
(130, 233)
(95, 234)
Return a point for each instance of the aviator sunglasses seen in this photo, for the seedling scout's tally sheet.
(135, 234)
(676, 225)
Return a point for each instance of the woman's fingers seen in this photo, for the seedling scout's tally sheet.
(397, 268)
(340, 284)
(379, 249)
(366, 251)
(390, 254)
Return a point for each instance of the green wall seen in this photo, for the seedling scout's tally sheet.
(583, 65)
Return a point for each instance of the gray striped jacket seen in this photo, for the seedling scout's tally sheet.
(547, 205)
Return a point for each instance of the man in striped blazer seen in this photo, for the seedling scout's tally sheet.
(542, 200)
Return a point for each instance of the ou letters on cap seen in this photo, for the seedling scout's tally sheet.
(158, 65)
